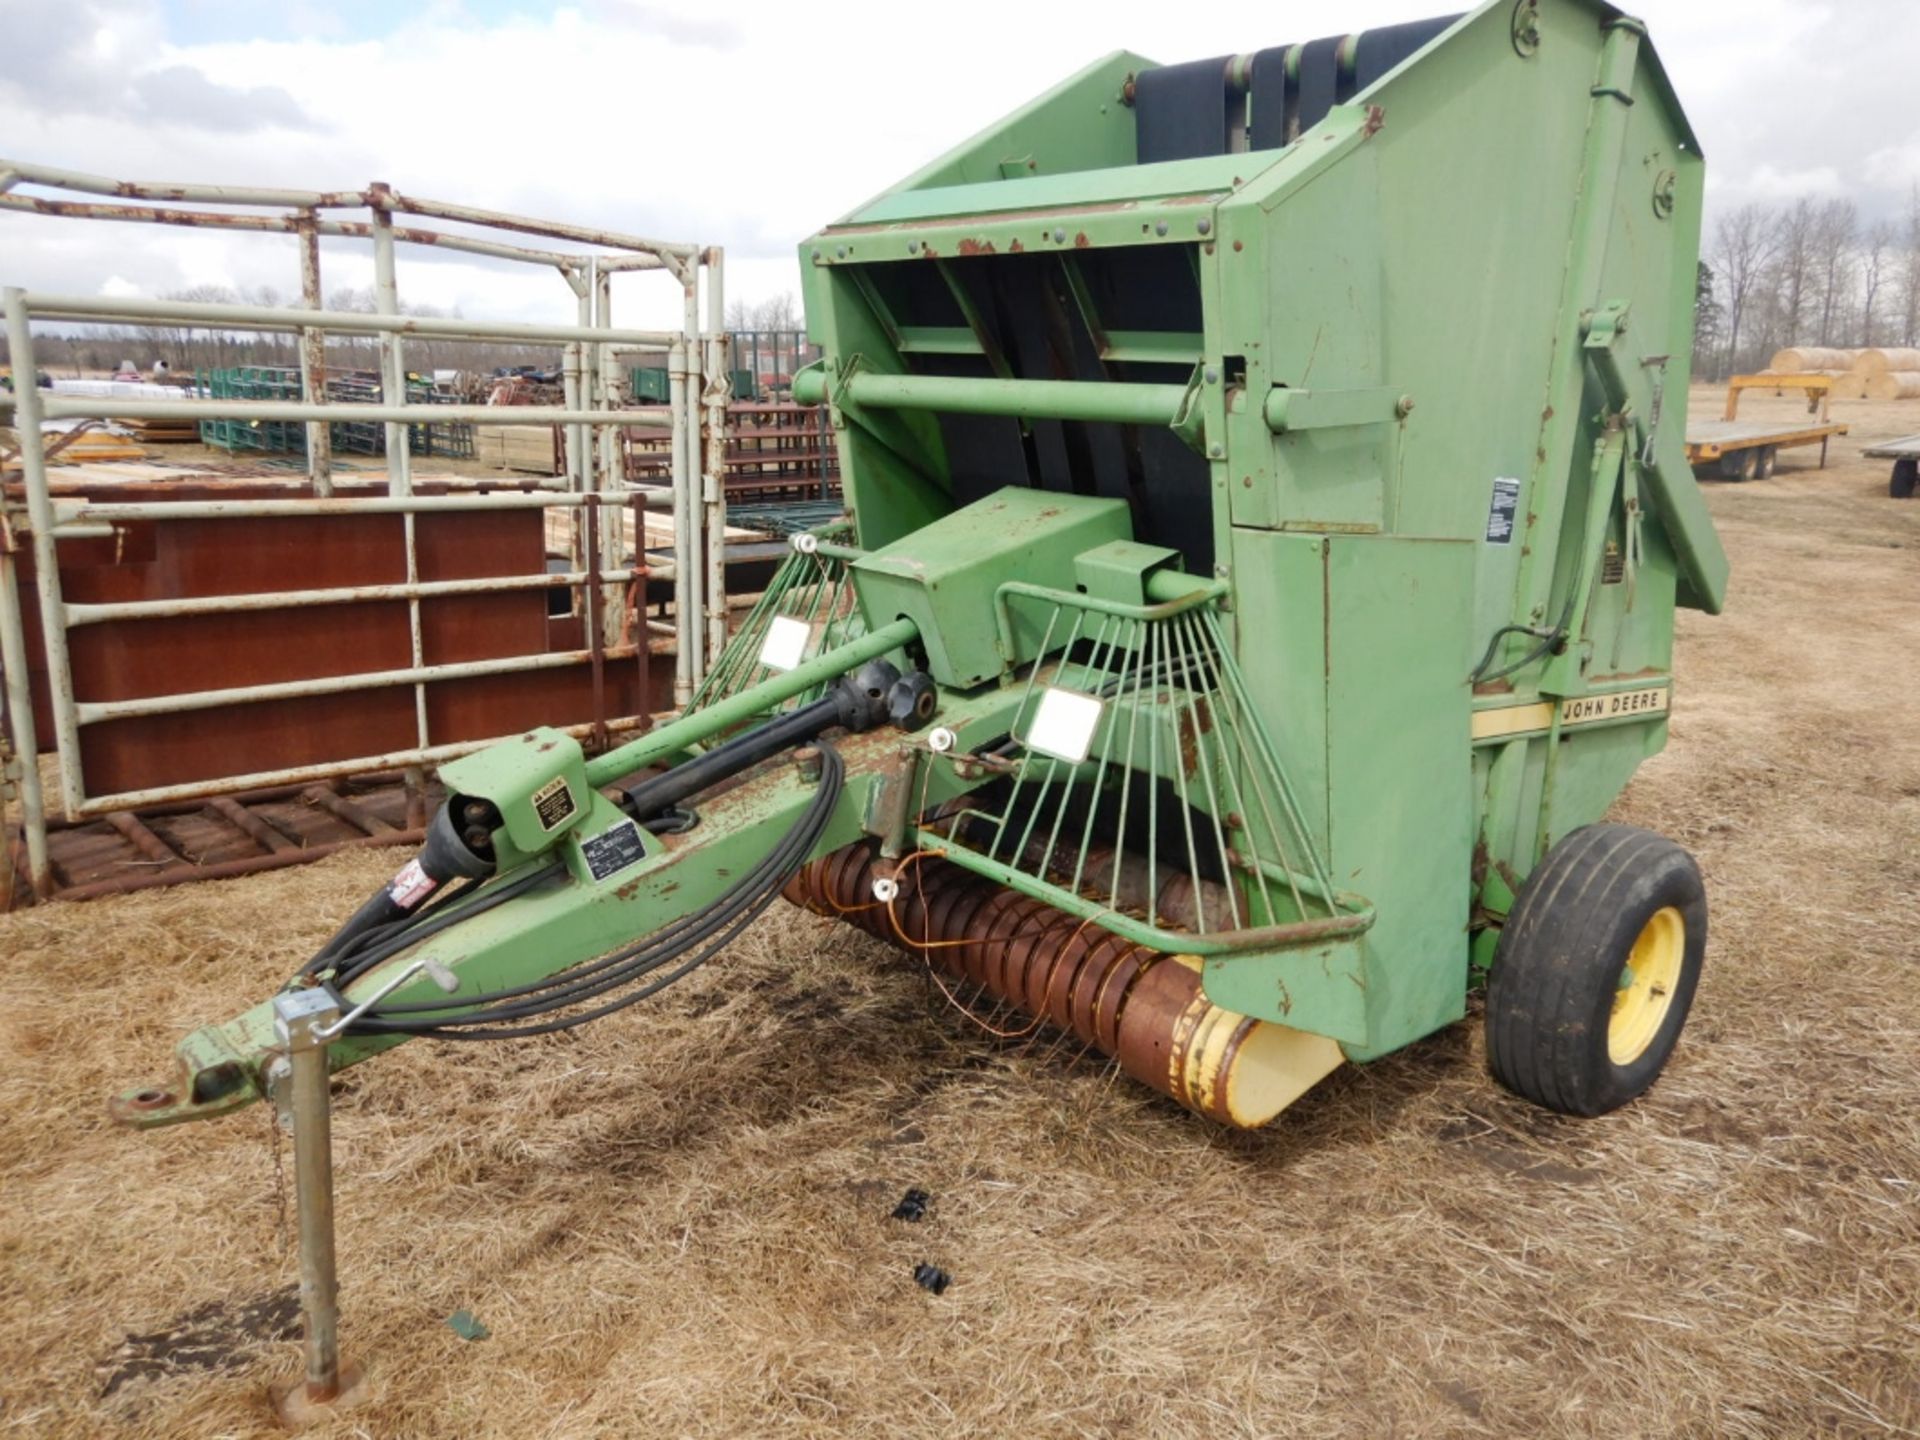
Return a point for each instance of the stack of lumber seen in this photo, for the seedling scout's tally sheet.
(1870, 373)
(659, 528)
(86, 447)
(145, 431)
(161, 432)
(517, 447)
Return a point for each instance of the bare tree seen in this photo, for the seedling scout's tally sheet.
(1910, 272)
(1795, 262)
(1743, 247)
(1874, 256)
(1835, 231)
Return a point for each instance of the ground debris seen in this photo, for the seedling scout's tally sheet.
(219, 1335)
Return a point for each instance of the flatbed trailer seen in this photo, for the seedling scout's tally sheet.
(1905, 454)
(1747, 450)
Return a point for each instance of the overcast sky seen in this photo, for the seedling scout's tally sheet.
(747, 123)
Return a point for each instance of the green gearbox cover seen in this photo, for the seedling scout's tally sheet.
(943, 576)
(538, 782)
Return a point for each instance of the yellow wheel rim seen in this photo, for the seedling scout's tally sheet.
(1647, 984)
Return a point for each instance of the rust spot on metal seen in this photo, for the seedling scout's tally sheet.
(1080, 241)
(628, 890)
(1376, 117)
(971, 246)
(1015, 247)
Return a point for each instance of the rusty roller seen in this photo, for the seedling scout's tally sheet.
(1144, 1008)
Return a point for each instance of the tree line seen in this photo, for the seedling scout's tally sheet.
(1808, 273)
(94, 349)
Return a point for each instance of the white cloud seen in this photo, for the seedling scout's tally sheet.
(753, 124)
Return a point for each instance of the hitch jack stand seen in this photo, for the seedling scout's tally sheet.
(307, 1021)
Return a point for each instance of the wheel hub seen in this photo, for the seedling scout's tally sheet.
(1647, 984)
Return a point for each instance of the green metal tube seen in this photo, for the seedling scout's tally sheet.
(1355, 914)
(677, 735)
(1027, 399)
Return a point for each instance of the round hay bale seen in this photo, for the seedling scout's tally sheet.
(1887, 361)
(1894, 385)
(1804, 359)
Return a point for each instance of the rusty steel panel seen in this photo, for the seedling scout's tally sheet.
(131, 659)
(222, 837)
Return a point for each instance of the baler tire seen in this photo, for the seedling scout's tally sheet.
(1905, 473)
(1764, 462)
(1561, 971)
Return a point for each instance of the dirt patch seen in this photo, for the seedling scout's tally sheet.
(215, 1335)
(676, 1222)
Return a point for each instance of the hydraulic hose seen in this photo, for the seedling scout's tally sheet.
(398, 917)
(692, 940)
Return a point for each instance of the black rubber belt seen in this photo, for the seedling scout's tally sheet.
(1380, 50)
(1180, 111)
(1268, 128)
(1320, 88)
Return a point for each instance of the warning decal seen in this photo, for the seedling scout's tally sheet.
(1506, 502)
(553, 803)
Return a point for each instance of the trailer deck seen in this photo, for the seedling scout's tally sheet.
(1905, 454)
(1747, 450)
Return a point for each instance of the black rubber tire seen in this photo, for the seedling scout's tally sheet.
(1736, 465)
(1764, 461)
(1557, 967)
(1905, 473)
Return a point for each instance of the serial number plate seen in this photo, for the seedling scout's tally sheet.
(613, 850)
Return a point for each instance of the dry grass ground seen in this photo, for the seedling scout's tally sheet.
(675, 1223)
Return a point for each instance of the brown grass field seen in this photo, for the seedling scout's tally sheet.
(676, 1222)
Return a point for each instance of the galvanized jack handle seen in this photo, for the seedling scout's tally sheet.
(307, 1021)
(435, 971)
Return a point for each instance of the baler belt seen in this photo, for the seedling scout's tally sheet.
(1180, 111)
(1320, 83)
(1380, 50)
(1267, 130)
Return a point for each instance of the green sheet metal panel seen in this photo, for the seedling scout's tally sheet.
(1323, 622)
(945, 575)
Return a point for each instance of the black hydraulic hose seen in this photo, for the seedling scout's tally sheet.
(1549, 640)
(443, 857)
(770, 864)
(592, 978)
(429, 923)
(692, 940)
(587, 981)
(402, 914)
